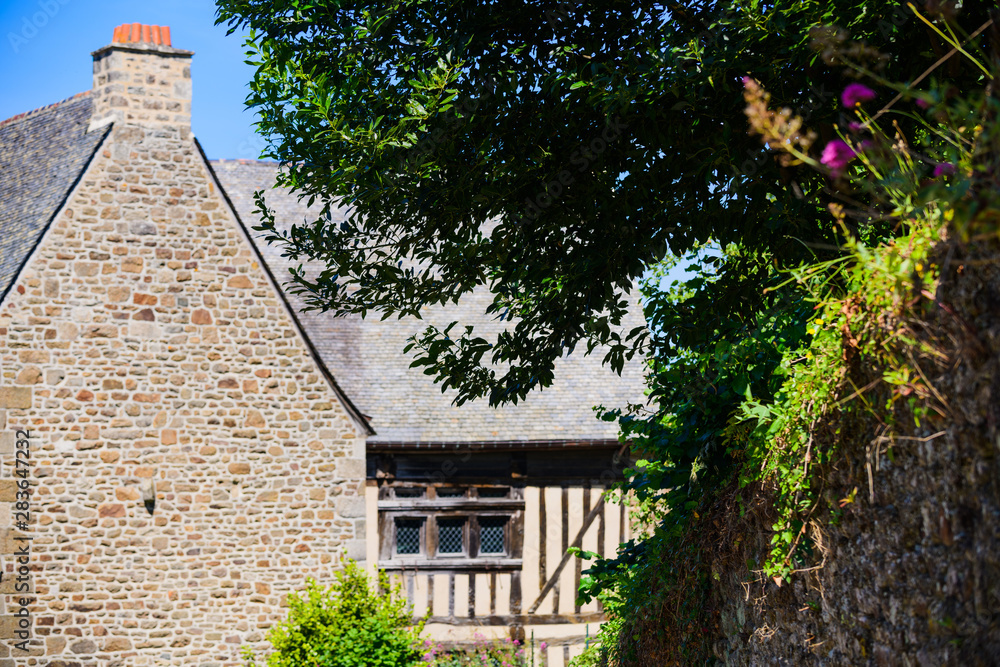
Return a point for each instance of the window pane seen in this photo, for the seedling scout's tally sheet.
(451, 536)
(408, 536)
(410, 492)
(491, 529)
(494, 492)
(450, 493)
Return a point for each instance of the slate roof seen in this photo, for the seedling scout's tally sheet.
(367, 360)
(42, 155)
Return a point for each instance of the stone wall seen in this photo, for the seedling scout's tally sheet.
(149, 354)
(911, 574)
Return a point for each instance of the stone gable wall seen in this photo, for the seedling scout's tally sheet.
(147, 351)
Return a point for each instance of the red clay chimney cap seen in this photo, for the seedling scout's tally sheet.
(137, 33)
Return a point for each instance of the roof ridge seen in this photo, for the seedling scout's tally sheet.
(28, 114)
(241, 160)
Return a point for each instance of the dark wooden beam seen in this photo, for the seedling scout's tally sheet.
(566, 556)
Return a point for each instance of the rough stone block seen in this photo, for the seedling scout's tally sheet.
(33, 356)
(355, 550)
(29, 375)
(8, 542)
(201, 316)
(83, 646)
(8, 625)
(255, 419)
(111, 510)
(118, 293)
(15, 398)
(132, 265)
(8, 441)
(142, 228)
(103, 331)
(142, 329)
(86, 269)
(8, 490)
(127, 493)
(12, 586)
(351, 468)
(351, 506)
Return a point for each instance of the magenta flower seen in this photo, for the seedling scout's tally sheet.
(944, 169)
(856, 94)
(836, 156)
(923, 104)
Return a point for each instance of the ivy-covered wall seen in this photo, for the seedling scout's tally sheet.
(910, 574)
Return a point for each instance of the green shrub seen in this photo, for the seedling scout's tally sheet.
(345, 625)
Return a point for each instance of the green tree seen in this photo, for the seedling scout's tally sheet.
(346, 625)
(549, 151)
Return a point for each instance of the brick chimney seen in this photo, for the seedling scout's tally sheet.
(140, 79)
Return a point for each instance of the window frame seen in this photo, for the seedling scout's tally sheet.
(470, 507)
(421, 539)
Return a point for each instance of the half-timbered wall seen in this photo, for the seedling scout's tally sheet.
(528, 592)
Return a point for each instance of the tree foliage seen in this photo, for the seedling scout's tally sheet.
(548, 151)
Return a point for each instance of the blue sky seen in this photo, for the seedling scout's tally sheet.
(45, 48)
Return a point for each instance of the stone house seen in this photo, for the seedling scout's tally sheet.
(195, 447)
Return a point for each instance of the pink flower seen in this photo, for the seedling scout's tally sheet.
(944, 169)
(856, 94)
(836, 156)
(923, 104)
(543, 646)
(855, 126)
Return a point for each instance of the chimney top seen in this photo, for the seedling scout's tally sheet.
(140, 79)
(138, 33)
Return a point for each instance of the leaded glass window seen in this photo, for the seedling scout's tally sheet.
(451, 536)
(408, 536)
(491, 534)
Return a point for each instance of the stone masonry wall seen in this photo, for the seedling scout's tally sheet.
(147, 352)
(911, 574)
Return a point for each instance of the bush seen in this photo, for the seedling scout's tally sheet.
(345, 625)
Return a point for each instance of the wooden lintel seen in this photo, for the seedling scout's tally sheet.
(441, 565)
